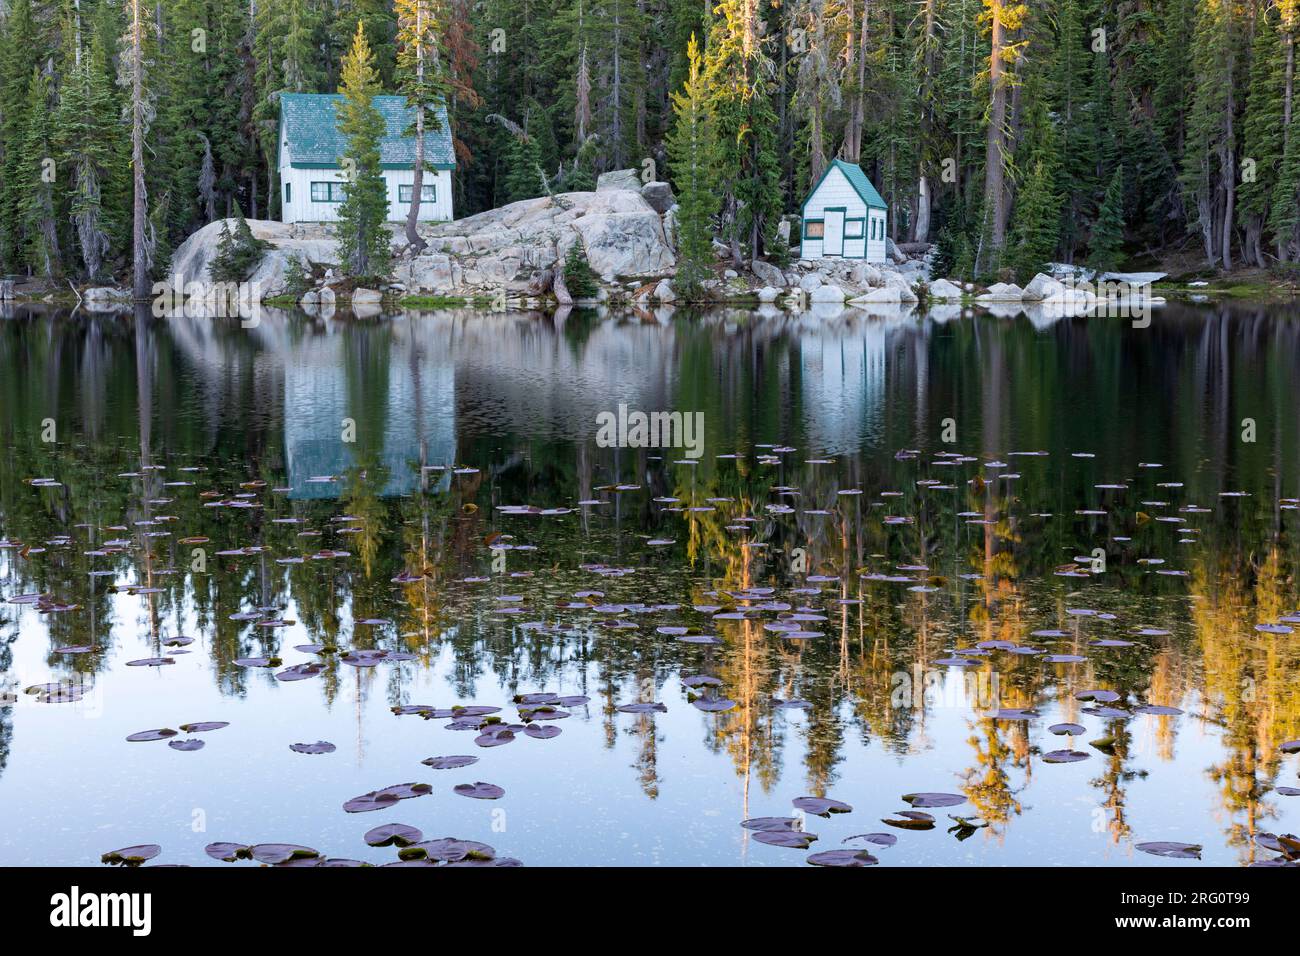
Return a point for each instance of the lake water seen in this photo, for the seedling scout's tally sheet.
(875, 501)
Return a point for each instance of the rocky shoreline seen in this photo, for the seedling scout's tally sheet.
(513, 257)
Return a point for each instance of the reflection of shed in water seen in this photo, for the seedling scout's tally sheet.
(396, 390)
(843, 384)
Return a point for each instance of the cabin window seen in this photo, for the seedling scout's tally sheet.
(815, 229)
(428, 193)
(327, 192)
(853, 229)
(288, 192)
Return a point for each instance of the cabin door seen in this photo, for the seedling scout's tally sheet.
(833, 236)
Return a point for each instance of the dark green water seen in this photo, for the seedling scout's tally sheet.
(906, 488)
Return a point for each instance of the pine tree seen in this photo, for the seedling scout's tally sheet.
(19, 56)
(693, 158)
(1004, 18)
(579, 277)
(1036, 214)
(524, 178)
(1034, 226)
(376, 19)
(286, 57)
(1261, 129)
(238, 253)
(134, 61)
(364, 242)
(1209, 173)
(1105, 247)
(736, 67)
(91, 151)
(36, 182)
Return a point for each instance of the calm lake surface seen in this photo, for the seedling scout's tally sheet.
(876, 501)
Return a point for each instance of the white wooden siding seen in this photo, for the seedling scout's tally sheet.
(876, 246)
(299, 207)
(836, 190)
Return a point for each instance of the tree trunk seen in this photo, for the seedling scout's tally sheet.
(417, 183)
(857, 114)
(1229, 174)
(922, 210)
(140, 202)
(993, 235)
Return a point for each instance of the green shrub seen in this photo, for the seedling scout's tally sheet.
(237, 254)
(579, 277)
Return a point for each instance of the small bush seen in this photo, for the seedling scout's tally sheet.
(296, 279)
(579, 277)
(237, 254)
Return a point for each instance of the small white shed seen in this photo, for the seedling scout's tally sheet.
(844, 217)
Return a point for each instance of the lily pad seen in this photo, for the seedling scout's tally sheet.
(162, 733)
(933, 799)
(393, 834)
(842, 858)
(1063, 729)
(204, 726)
(387, 797)
(319, 747)
(480, 790)
(131, 855)
(228, 852)
(879, 839)
(1064, 756)
(910, 820)
(1177, 851)
(821, 806)
(276, 853)
(794, 839)
(449, 763)
(770, 823)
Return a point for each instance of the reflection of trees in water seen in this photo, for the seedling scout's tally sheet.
(182, 393)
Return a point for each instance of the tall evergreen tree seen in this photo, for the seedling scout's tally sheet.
(37, 178)
(134, 60)
(1105, 245)
(736, 68)
(693, 157)
(90, 150)
(364, 242)
(19, 56)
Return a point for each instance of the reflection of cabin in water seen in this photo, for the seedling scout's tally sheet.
(324, 388)
(842, 372)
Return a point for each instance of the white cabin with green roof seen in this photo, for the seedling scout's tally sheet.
(311, 175)
(844, 217)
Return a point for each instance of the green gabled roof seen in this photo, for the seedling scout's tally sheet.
(309, 124)
(857, 179)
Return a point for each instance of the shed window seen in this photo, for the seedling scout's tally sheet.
(428, 193)
(288, 192)
(327, 192)
(853, 229)
(815, 229)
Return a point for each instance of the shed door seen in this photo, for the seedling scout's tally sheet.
(833, 241)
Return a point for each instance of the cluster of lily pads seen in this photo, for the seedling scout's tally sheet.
(791, 615)
(413, 850)
(788, 831)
